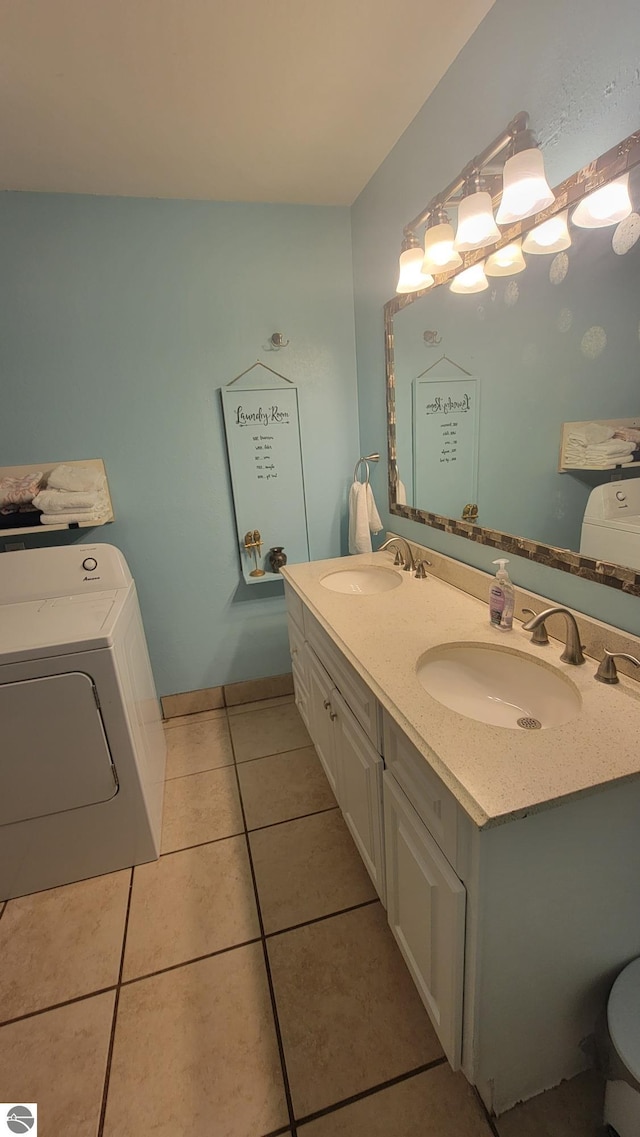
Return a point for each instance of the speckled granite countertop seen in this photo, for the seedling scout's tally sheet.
(495, 773)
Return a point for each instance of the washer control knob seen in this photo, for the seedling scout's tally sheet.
(621, 496)
(89, 564)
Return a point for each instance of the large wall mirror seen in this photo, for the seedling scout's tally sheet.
(479, 386)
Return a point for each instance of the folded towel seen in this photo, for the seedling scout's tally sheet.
(16, 491)
(609, 451)
(81, 479)
(628, 433)
(364, 518)
(74, 518)
(66, 501)
(593, 432)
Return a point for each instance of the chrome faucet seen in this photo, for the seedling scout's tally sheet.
(573, 648)
(406, 559)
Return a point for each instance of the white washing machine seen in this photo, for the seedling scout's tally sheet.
(611, 523)
(82, 750)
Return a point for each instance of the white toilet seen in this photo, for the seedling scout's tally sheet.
(622, 1097)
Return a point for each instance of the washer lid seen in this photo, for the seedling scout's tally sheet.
(623, 1017)
(40, 628)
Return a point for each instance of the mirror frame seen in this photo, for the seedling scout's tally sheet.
(615, 162)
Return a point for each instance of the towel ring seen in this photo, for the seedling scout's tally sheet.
(366, 459)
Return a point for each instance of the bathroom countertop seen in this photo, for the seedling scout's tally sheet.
(495, 773)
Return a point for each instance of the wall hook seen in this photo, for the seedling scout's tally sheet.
(277, 341)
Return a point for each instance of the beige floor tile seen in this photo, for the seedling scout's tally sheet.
(307, 868)
(572, 1109)
(437, 1103)
(250, 690)
(200, 716)
(62, 943)
(349, 1013)
(271, 731)
(198, 745)
(189, 904)
(195, 1052)
(59, 1060)
(284, 786)
(260, 705)
(201, 807)
(191, 702)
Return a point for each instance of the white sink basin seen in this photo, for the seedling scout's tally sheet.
(498, 686)
(362, 581)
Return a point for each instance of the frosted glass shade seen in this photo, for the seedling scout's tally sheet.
(439, 253)
(525, 189)
(506, 261)
(471, 280)
(605, 206)
(476, 226)
(412, 278)
(550, 237)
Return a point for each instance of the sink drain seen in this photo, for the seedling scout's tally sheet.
(529, 724)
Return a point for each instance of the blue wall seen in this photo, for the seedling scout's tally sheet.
(574, 68)
(119, 320)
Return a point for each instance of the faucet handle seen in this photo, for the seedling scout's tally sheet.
(540, 633)
(607, 671)
(421, 569)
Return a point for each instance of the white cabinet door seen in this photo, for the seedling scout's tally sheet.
(426, 913)
(321, 715)
(359, 769)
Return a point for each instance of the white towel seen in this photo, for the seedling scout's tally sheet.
(592, 433)
(401, 493)
(64, 501)
(74, 518)
(79, 479)
(364, 518)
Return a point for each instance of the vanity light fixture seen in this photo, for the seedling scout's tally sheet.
(511, 165)
(476, 226)
(439, 253)
(471, 280)
(550, 237)
(605, 206)
(506, 261)
(412, 278)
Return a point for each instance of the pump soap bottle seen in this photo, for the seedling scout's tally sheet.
(501, 599)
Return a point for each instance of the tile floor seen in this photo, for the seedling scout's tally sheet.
(244, 985)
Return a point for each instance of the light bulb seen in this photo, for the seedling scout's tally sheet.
(525, 189)
(439, 253)
(411, 278)
(550, 237)
(605, 206)
(506, 261)
(471, 280)
(476, 226)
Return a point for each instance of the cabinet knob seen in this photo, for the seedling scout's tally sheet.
(333, 715)
(326, 705)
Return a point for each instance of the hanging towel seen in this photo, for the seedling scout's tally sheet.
(364, 518)
(401, 493)
(81, 479)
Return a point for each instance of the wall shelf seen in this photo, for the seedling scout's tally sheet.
(566, 466)
(47, 467)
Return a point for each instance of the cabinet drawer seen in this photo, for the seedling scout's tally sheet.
(432, 801)
(353, 689)
(295, 607)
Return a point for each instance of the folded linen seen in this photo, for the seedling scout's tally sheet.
(79, 479)
(613, 449)
(628, 433)
(17, 491)
(67, 501)
(592, 432)
(74, 518)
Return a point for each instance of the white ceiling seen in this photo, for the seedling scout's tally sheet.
(231, 100)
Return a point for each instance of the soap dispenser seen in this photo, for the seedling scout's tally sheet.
(501, 598)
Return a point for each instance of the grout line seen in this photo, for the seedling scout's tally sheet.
(275, 754)
(285, 1132)
(299, 817)
(3, 905)
(373, 1090)
(272, 995)
(194, 773)
(319, 919)
(56, 1006)
(187, 962)
(491, 1121)
(201, 844)
(116, 1002)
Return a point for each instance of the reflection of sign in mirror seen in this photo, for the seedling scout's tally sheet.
(445, 442)
(265, 457)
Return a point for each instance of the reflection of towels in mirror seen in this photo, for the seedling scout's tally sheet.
(364, 518)
(401, 493)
